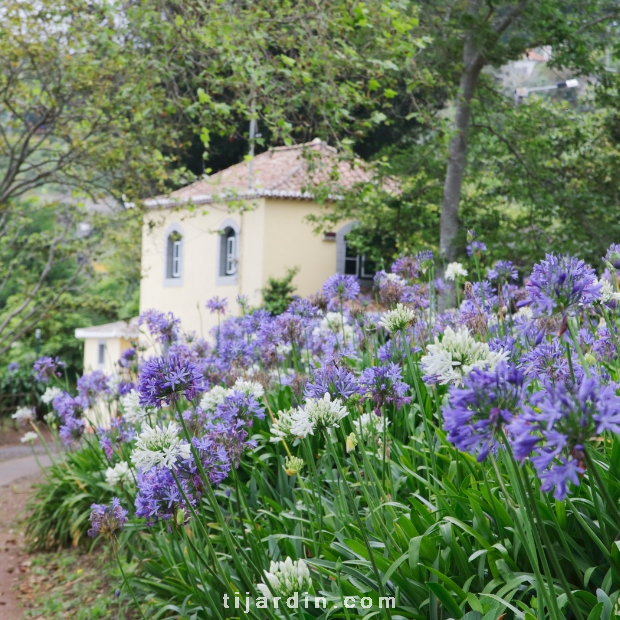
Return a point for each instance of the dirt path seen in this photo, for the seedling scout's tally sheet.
(13, 499)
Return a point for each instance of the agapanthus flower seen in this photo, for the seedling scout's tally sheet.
(369, 425)
(285, 579)
(293, 465)
(391, 287)
(341, 287)
(90, 387)
(454, 271)
(559, 283)
(132, 410)
(71, 430)
(29, 437)
(337, 381)
(555, 431)
(502, 271)
(281, 429)
(233, 440)
(239, 407)
(107, 520)
(118, 433)
(612, 256)
(50, 394)
(317, 414)
(213, 398)
(454, 356)
(251, 388)
(165, 327)
(159, 496)
(406, 266)
(547, 362)
(384, 385)
(119, 474)
(128, 357)
(159, 446)
(164, 379)
(425, 260)
(23, 414)
(475, 247)
(608, 293)
(46, 368)
(13, 367)
(477, 412)
(398, 319)
(214, 459)
(217, 305)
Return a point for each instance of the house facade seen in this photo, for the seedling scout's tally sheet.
(228, 234)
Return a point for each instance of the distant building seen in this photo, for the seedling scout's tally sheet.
(228, 234)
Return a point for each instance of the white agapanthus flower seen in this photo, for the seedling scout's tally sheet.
(457, 354)
(398, 319)
(607, 292)
(454, 271)
(317, 413)
(251, 388)
(281, 428)
(525, 312)
(213, 398)
(286, 578)
(334, 322)
(50, 394)
(29, 437)
(370, 425)
(132, 410)
(159, 446)
(23, 414)
(119, 473)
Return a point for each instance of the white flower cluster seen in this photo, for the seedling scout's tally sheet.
(398, 319)
(159, 446)
(454, 271)
(334, 322)
(132, 410)
(317, 413)
(607, 292)
(118, 473)
(452, 358)
(23, 414)
(370, 425)
(29, 437)
(218, 394)
(50, 394)
(286, 578)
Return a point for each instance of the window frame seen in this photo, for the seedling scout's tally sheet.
(174, 256)
(227, 253)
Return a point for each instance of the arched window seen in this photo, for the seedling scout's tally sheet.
(174, 255)
(228, 252)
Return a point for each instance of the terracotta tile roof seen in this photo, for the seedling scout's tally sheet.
(281, 172)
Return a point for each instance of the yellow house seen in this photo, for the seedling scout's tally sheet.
(227, 234)
(103, 344)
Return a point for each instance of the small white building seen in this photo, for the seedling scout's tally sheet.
(103, 344)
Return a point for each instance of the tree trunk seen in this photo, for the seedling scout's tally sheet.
(473, 62)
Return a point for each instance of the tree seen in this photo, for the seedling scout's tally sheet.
(81, 112)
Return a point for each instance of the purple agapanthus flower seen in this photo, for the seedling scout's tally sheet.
(502, 271)
(547, 362)
(341, 287)
(406, 266)
(118, 433)
(128, 357)
(66, 406)
(46, 368)
(165, 327)
(164, 379)
(337, 381)
(106, 520)
(217, 305)
(559, 283)
(477, 412)
(124, 387)
(71, 430)
(90, 387)
(612, 256)
(383, 385)
(13, 367)
(391, 287)
(159, 496)
(475, 247)
(555, 431)
(425, 260)
(214, 459)
(239, 408)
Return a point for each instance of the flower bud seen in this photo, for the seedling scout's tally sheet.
(351, 443)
